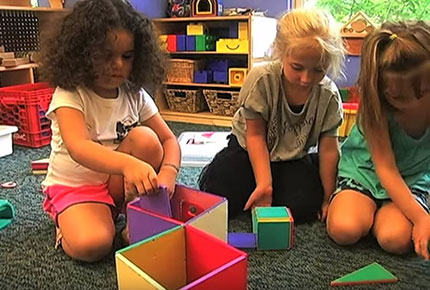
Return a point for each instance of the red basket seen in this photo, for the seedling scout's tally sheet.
(25, 106)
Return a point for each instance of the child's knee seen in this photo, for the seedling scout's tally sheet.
(344, 232)
(89, 247)
(394, 242)
(145, 145)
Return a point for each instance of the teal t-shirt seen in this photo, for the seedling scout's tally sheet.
(412, 159)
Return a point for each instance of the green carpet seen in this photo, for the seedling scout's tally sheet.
(28, 259)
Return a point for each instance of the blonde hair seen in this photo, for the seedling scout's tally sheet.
(295, 30)
(396, 48)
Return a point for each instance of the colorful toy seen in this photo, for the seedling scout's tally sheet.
(196, 29)
(181, 258)
(373, 273)
(226, 45)
(181, 42)
(205, 42)
(242, 240)
(202, 8)
(274, 227)
(191, 43)
(236, 76)
(179, 8)
(7, 213)
(203, 77)
(171, 43)
(205, 211)
(158, 202)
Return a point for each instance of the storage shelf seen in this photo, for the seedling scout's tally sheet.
(196, 19)
(200, 85)
(206, 52)
(19, 67)
(204, 118)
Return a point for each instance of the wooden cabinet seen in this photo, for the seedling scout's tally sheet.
(25, 73)
(260, 32)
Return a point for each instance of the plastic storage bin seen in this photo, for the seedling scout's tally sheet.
(25, 106)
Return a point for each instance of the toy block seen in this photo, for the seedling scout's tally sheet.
(232, 46)
(189, 206)
(203, 77)
(191, 43)
(243, 30)
(373, 273)
(201, 8)
(171, 43)
(196, 29)
(181, 258)
(220, 77)
(7, 213)
(274, 227)
(163, 41)
(181, 42)
(158, 202)
(205, 42)
(242, 240)
(236, 76)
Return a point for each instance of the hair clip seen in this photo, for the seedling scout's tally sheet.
(393, 36)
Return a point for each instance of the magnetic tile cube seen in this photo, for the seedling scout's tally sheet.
(202, 210)
(181, 258)
(274, 227)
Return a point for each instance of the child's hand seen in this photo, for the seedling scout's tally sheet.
(139, 178)
(421, 237)
(324, 209)
(261, 196)
(167, 177)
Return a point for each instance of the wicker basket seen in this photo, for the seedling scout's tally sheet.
(189, 101)
(223, 103)
(182, 70)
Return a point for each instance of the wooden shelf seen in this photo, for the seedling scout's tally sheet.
(18, 67)
(200, 85)
(205, 52)
(205, 118)
(36, 9)
(196, 19)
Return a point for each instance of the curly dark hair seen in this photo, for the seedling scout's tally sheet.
(70, 48)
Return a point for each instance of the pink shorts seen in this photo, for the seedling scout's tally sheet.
(60, 197)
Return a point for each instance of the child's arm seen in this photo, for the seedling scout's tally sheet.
(172, 152)
(390, 178)
(259, 157)
(328, 149)
(139, 174)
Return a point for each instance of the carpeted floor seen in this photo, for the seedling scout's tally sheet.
(28, 259)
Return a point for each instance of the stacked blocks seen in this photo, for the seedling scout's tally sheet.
(181, 258)
(274, 228)
(204, 211)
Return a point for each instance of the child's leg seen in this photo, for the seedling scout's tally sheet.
(230, 175)
(350, 216)
(297, 185)
(87, 231)
(392, 229)
(142, 143)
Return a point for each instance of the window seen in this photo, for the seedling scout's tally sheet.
(378, 10)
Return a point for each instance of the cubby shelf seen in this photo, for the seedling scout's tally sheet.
(261, 32)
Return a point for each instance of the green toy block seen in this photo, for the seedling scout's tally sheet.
(373, 273)
(274, 228)
(7, 213)
(205, 42)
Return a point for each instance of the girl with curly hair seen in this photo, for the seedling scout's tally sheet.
(383, 182)
(109, 141)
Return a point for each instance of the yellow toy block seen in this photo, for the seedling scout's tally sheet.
(243, 30)
(163, 41)
(236, 76)
(196, 29)
(232, 46)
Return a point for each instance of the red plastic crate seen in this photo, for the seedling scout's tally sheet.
(25, 106)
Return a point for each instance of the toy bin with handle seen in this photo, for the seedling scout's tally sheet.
(25, 106)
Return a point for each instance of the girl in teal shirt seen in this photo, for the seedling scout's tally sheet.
(383, 180)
